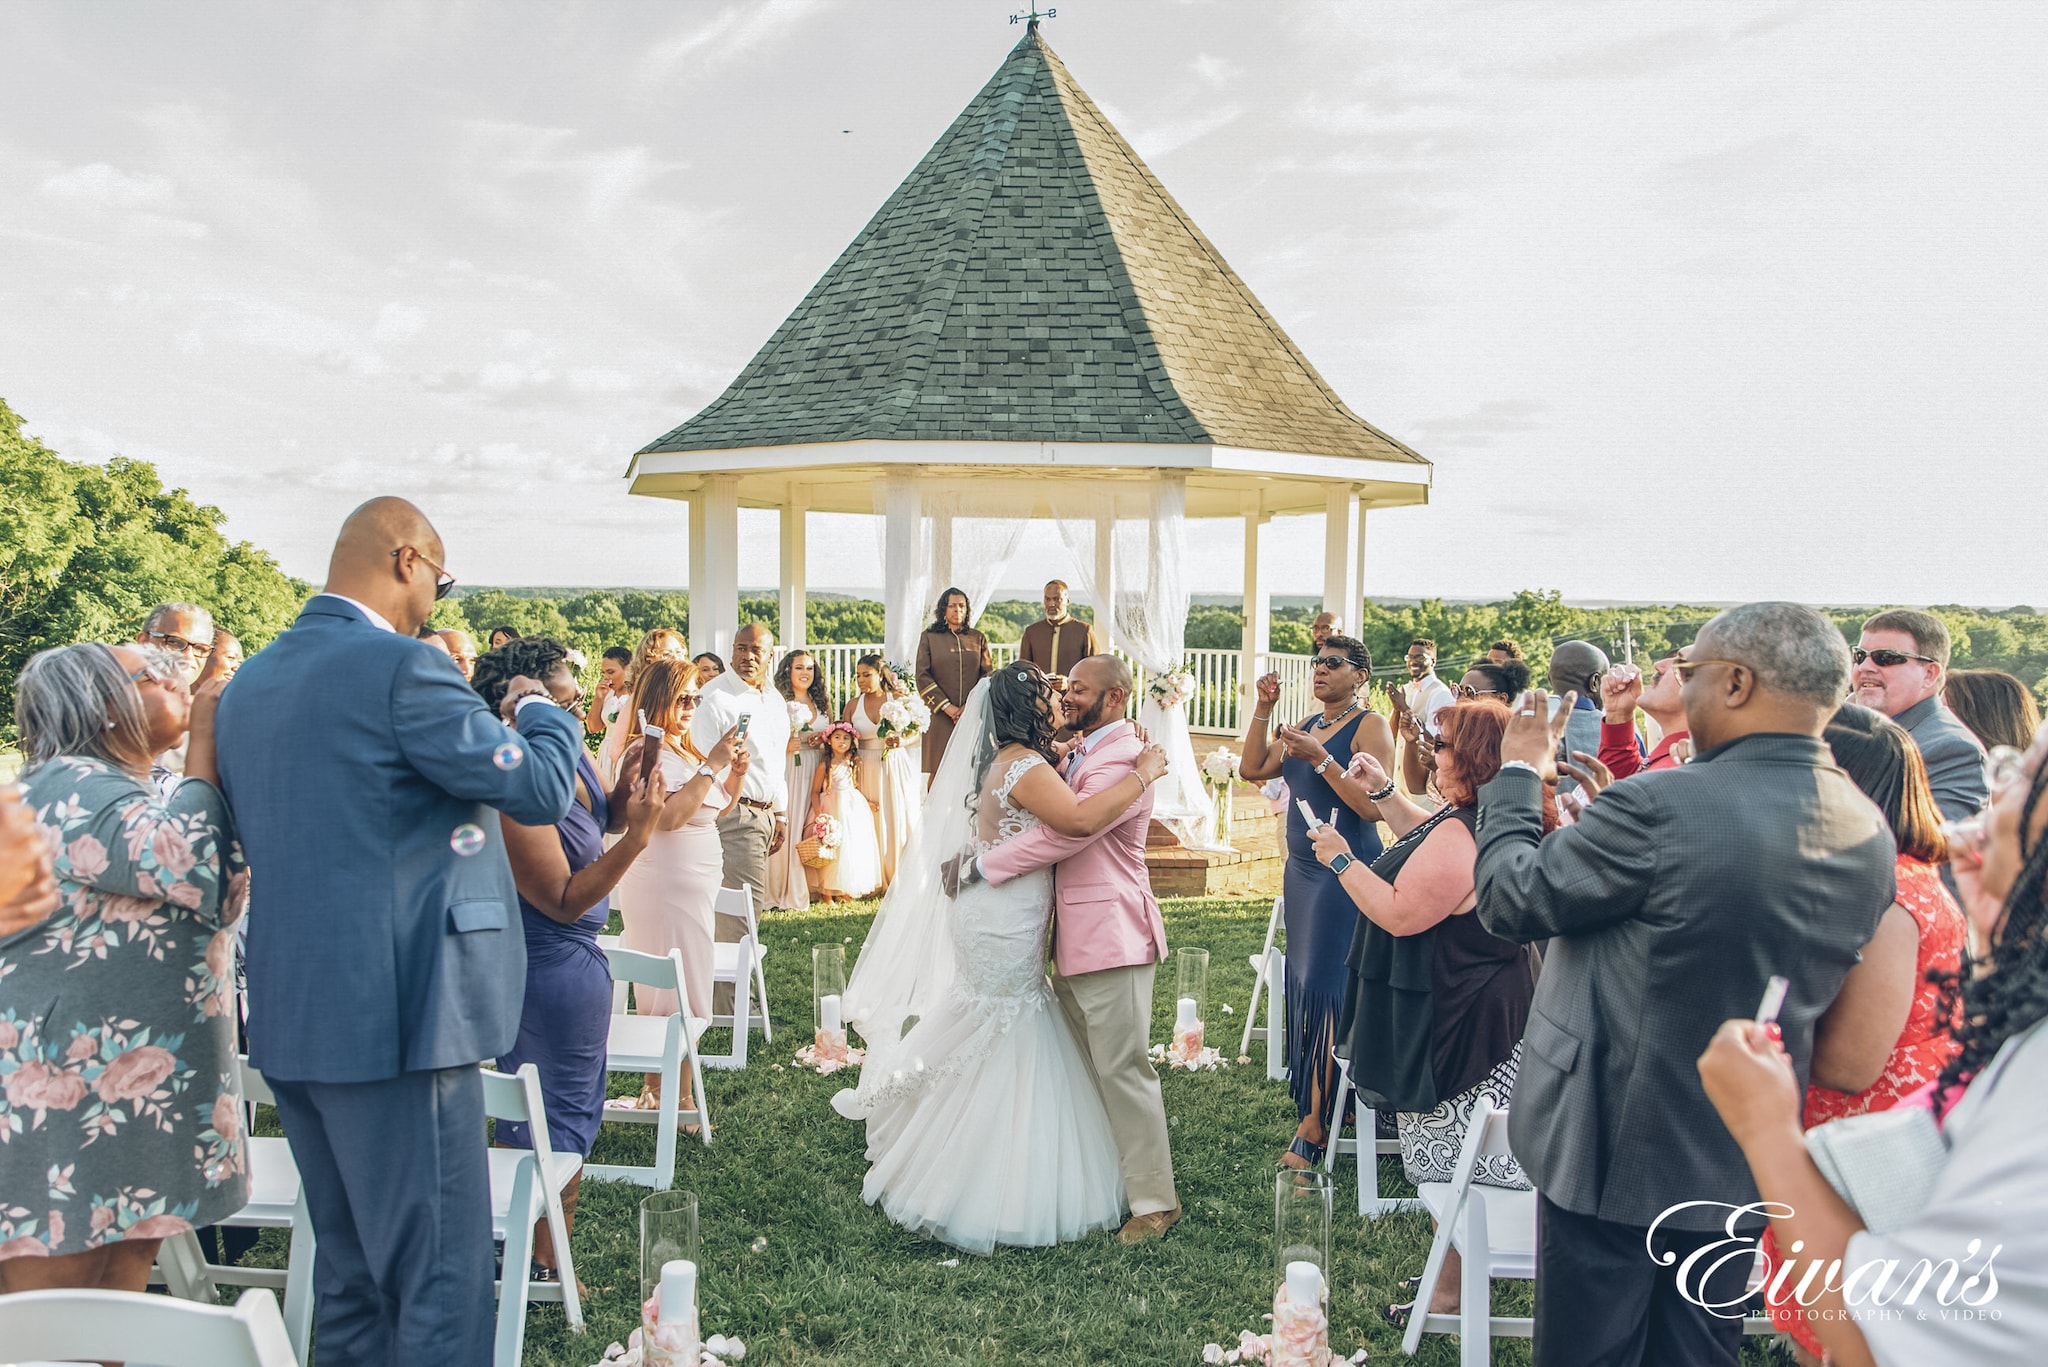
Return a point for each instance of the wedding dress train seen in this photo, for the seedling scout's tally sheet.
(983, 1123)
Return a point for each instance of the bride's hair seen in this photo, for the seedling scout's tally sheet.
(1019, 713)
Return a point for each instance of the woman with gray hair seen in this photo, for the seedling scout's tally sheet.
(119, 1100)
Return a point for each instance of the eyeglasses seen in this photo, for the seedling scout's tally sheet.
(1685, 668)
(1328, 662)
(1466, 690)
(177, 645)
(445, 582)
(686, 700)
(1885, 659)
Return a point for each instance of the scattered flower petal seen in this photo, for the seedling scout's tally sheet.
(950, 1262)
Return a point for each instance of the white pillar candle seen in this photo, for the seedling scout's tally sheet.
(1304, 1283)
(679, 1291)
(828, 1013)
(1185, 1017)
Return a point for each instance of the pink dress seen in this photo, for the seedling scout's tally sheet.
(667, 896)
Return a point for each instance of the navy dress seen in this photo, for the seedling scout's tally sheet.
(567, 1016)
(1320, 918)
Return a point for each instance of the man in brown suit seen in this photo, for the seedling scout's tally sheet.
(1059, 642)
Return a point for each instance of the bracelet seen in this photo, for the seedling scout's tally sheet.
(1328, 760)
(1262, 716)
(1383, 794)
(1143, 782)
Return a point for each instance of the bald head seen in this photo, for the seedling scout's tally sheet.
(388, 557)
(1576, 666)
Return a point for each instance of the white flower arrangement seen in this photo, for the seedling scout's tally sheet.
(903, 716)
(800, 717)
(1172, 687)
(1219, 770)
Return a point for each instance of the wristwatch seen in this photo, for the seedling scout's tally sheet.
(1339, 864)
(706, 771)
(1328, 760)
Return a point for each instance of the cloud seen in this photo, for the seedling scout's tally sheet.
(1159, 139)
(1215, 71)
(733, 33)
(398, 323)
(107, 186)
(1481, 425)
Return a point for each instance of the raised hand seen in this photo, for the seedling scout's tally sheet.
(517, 687)
(1267, 688)
(643, 807)
(1621, 688)
(724, 753)
(1367, 770)
(1533, 736)
(1593, 776)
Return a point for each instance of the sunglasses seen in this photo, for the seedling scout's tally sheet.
(686, 700)
(1328, 662)
(1684, 668)
(1885, 659)
(445, 582)
(1468, 691)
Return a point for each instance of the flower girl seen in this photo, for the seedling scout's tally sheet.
(856, 871)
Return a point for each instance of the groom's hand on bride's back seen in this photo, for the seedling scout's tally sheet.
(959, 871)
(1151, 763)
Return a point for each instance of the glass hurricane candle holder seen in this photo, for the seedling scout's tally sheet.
(668, 1233)
(1302, 1219)
(1191, 1004)
(828, 998)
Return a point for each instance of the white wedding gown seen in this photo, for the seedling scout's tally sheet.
(988, 1129)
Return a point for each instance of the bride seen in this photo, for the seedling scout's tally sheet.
(983, 1122)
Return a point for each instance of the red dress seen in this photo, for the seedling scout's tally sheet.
(1923, 1049)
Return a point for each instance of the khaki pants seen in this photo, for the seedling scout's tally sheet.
(744, 834)
(1111, 1012)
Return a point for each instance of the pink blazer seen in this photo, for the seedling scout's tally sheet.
(1104, 914)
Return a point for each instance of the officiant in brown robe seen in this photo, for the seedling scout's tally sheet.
(1059, 641)
(952, 658)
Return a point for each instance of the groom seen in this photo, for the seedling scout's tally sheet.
(1107, 938)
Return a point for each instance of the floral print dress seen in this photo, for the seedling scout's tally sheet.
(120, 1112)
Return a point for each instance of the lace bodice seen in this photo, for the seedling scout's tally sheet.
(1000, 819)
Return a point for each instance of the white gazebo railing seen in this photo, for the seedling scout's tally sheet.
(1217, 708)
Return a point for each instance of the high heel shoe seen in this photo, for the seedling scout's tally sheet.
(1302, 1155)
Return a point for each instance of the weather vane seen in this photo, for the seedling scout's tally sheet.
(1034, 16)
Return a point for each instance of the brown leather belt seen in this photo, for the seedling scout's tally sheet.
(757, 806)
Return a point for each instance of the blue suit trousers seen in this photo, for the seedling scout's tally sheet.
(399, 1189)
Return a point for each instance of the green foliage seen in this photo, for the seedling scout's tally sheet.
(87, 550)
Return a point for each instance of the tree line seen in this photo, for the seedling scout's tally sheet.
(86, 550)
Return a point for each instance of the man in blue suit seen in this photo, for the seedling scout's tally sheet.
(386, 958)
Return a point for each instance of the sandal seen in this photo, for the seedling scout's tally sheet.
(1397, 1315)
(1302, 1155)
(540, 1272)
(650, 1100)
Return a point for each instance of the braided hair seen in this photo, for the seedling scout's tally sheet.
(1019, 713)
(2013, 995)
(534, 656)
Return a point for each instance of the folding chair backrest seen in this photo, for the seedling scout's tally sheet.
(517, 1097)
(255, 1088)
(1486, 1136)
(737, 903)
(70, 1324)
(664, 971)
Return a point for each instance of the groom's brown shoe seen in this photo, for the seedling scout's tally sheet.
(1143, 1229)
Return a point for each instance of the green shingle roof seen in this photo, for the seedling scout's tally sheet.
(1031, 280)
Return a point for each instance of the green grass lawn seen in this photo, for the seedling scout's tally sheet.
(837, 1283)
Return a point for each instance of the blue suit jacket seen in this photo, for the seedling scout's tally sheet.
(350, 755)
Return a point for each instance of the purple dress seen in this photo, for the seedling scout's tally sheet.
(566, 1020)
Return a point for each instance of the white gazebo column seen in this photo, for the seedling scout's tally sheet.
(1258, 614)
(1105, 583)
(942, 553)
(795, 626)
(715, 589)
(1343, 557)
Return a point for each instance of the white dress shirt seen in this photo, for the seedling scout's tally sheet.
(377, 618)
(720, 706)
(1428, 696)
(1101, 733)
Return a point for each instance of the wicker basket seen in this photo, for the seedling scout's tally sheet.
(815, 853)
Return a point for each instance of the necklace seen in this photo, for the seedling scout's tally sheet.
(1323, 723)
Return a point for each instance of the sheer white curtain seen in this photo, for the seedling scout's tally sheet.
(938, 534)
(1148, 614)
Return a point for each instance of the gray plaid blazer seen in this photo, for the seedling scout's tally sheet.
(1668, 906)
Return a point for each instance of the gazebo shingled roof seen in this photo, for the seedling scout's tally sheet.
(1031, 280)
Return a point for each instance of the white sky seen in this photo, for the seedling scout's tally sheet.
(1700, 302)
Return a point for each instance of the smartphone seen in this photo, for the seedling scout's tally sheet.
(1556, 705)
(1315, 823)
(745, 719)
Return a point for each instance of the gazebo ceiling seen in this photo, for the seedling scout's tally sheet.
(1032, 303)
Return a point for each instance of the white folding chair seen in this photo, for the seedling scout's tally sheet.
(1494, 1231)
(654, 1044)
(71, 1325)
(742, 969)
(1366, 1146)
(525, 1185)
(1269, 970)
(275, 1202)
(608, 943)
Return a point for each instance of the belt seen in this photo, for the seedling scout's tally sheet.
(757, 806)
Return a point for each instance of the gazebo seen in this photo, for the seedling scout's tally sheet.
(1030, 326)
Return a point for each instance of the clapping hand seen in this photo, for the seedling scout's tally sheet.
(28, 880)
(1329, 843)
(1533, 735)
